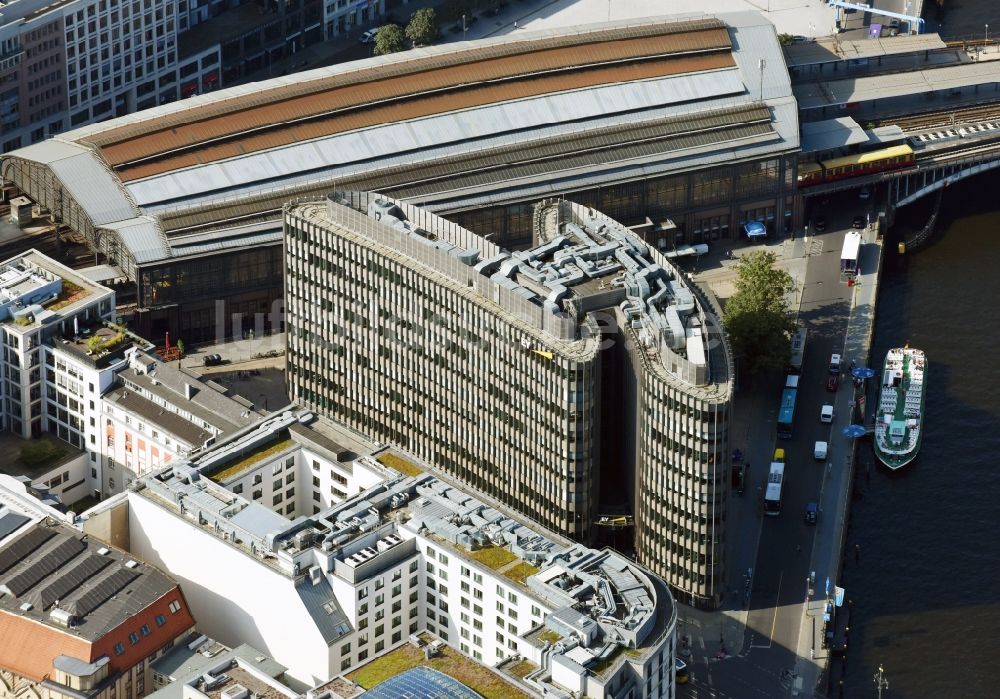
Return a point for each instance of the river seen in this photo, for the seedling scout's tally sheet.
(926, 589)
(963, 19)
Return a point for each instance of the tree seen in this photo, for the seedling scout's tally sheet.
(422, 28)
(389, 39)
(180, 346)
(757, 317)
(786, 39)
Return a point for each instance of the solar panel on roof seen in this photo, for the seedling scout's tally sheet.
(50, 561)
(22, 546)
(98, 591)
(421, 683)
(70, 579)
(11, 522)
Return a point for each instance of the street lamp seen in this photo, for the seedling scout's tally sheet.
(465, 28)
(987, 34)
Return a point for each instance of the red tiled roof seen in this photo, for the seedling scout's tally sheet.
(28, 647)
(177, 624)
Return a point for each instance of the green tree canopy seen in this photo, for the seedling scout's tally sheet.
(389, 39)
(786, 39)
(757, 317)
(422, 28)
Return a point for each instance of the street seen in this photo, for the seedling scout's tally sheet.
(763, 662)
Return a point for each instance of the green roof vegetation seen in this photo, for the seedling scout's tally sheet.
(71, 293)
(402, 465)
(449, 661)
(493, 557)
(522, 668)
(550, 636)
(520, 572)
(608, 662)
(42, 452)
(249, 460)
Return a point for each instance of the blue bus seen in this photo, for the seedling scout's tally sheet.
(786, 413)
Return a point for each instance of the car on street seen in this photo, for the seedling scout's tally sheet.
(834, 363)
(819, 223)
(812, 512)
(859, 222)
(833, 383)
(865, 192)
(681, 675)
(755, 230)
(213, 360)
(819, 451)
(826, 414)
(369, 36)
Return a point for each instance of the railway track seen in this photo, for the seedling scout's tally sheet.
(952, 117)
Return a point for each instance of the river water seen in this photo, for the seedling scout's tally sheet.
(926, 589)
(962, 19)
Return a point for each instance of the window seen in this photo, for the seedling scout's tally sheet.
(119, 649)
(175, 607)
(144, 629)
(133, 638)
(160, 620)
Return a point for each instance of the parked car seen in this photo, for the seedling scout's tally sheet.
(369, 36)
(755, 230)
(213, 359)
(812, 512)
(819, 224)
(865, 192)
(859, 222)
(833, 383)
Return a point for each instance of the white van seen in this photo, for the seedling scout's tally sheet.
(834, 363)
(826, 414)
(819, 453)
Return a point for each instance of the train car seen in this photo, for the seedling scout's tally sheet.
(855, 165)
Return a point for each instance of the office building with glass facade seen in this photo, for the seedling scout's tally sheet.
(582, 376)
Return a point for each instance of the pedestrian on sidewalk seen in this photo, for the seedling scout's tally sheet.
(798, 550)
(857, 553)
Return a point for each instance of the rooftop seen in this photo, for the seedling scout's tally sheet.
(479, 678)
(201, 667)
(181, 402)
(654, 96)
(36, 289)
(97, 586)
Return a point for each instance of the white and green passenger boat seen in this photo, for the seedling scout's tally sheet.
(899, 424)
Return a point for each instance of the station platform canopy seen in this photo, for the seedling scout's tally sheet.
(833, 50)
(830, 134)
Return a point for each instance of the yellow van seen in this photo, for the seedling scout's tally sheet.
(779, 455)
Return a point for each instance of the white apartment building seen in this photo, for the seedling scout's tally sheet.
(332, 590)
(156, 412)
(69, 371)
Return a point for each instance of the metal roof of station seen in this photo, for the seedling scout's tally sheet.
(831, 133)
(878, 87)
(833, 50)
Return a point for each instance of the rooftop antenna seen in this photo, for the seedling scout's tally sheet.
(880, 681)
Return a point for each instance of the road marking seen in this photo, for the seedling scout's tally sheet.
(774, 621)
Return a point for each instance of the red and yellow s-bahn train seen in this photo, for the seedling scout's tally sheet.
(854, 165)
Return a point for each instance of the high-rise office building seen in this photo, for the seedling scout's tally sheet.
(581, 381)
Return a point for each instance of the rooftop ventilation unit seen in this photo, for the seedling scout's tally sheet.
(131, 564)
(213, 682)
(237, 691)
(104, 550)
(61, 617)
